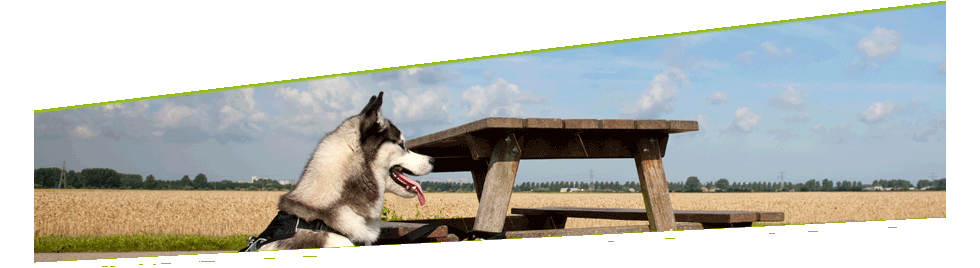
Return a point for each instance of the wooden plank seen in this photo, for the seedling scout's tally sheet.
(546, 222)
(499, 185)
(703, 216)
(617, 124)
(581, 123)
(550, 144)
(771, 216)
(678, 126)
(554, 123)
(596, 230)
(454, 135)
(653, 185)
(511, 223)
(394, 230)
(457, 164)
(482, 124)
(652, 125)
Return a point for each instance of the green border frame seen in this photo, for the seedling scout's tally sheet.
(80, 54)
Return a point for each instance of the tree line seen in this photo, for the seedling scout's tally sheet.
(826, 185)
(105, 178)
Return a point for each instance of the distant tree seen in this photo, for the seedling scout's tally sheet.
(200, 181)
(73, 180)
(811, 185)
(47, 177)
(101, 178)
(185, 181)
(692, 184)
(150, 183)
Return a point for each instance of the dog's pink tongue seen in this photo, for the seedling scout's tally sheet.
(418, 188)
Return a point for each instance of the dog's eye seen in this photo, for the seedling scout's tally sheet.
(402, 144)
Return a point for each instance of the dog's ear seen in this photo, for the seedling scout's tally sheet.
(373, 105)
(373, 121)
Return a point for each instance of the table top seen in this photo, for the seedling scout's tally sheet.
(543, 138)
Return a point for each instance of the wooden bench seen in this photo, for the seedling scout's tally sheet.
(707, 219)
(391, 231)
(492, 148)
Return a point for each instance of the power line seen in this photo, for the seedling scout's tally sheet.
(61, 179)
(591, 175)
(780, 180)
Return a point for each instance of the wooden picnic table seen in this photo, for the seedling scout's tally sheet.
(491, 149)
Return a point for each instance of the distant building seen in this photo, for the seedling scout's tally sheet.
(632, 190)
(462, 181)
(449, 181)
(876, 188)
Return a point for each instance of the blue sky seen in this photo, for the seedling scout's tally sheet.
(859, 97)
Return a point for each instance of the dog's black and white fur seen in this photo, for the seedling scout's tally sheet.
(344, 182)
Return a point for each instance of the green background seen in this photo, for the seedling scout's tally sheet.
(69, 55)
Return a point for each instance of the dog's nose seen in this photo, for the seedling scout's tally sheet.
(432, 161)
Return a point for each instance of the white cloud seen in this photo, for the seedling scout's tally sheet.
(321, 108)
(800, 117)
(718, 98)
(790, 99)
(881, 44)
(430, 106)
(239, 112)
(172, 115)
(300, 100)
(228, 116)
(411, 78)
(775, 51)
(745, 120)
(658, 98)
(875, 49)
(131, 109)
(745, 57)
(85, 132)
(497, 99)
(878, 112)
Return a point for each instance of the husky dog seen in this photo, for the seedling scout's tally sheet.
(338, 199)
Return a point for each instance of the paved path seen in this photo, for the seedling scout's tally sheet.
(38, 257)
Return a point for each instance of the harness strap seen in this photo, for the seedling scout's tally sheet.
(421, 232)
(284, 226)
(279, 229)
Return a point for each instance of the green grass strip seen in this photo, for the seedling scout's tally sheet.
(142, 242)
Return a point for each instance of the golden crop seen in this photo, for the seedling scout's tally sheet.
(111, 212)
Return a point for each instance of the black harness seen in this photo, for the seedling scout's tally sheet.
(285, 225)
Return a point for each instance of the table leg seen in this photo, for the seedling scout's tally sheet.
(498, 185)
(653, 183)
(479, 176)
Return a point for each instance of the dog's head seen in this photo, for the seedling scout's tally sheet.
(387, 155)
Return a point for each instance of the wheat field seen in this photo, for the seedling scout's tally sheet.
(113, 212)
